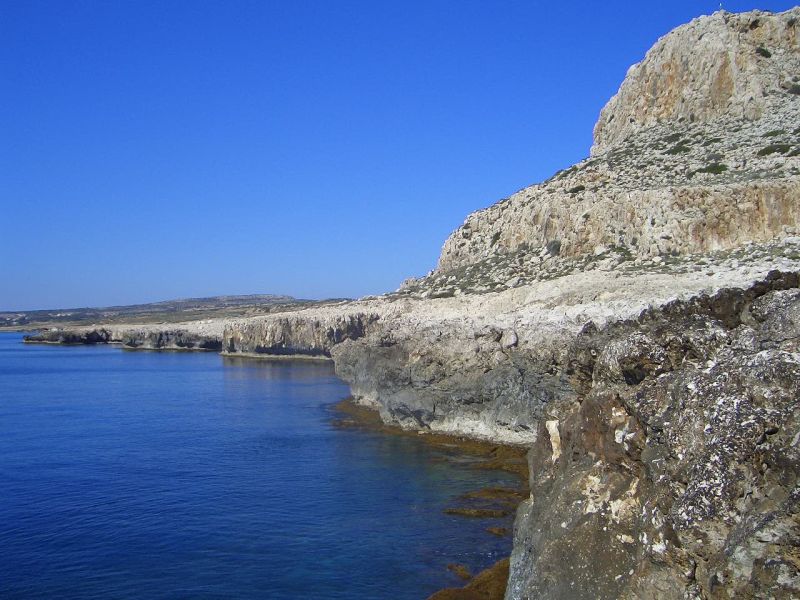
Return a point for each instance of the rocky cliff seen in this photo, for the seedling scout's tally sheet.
(681, 163)
(297, 334)
(191, 335)
(674, 474)
(634, 320)
(725, 66)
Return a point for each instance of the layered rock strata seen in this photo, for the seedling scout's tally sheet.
(297, 334)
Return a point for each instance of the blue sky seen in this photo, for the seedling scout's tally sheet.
(156, 150)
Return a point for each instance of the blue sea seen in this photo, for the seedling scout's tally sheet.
(187, 475)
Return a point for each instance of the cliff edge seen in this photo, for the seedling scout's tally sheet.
(680, 163)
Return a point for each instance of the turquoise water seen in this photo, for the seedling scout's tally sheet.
(181, 475)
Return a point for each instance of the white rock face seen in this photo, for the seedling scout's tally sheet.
(699, 151)
(730, 66)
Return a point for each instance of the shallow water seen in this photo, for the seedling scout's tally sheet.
(166, 475)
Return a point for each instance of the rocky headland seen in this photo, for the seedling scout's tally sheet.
(634, 321)
(205, 334)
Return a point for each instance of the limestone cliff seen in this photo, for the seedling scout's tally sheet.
(191, 335)
(675, 473)
(724, 66)
(634, 319)
(681, 163)
(296, 334)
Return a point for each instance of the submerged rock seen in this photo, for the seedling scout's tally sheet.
(487, 585)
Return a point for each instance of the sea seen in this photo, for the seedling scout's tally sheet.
(188, 475)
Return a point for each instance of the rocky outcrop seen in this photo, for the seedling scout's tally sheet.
(681, 163)
(193, 335)
(669, 190)
(465, 377)
(297, 334)
(642, 223)
(169, 339)
(729, 66)
(675, 473)
(70, 336)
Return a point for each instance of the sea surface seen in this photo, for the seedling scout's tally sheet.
(186, 475)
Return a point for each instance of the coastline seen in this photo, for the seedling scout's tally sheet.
(484, 504)
(491, 582)
(281, 357)
(119, 344)
(226, 355)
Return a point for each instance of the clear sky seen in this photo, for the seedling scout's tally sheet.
(156, 150)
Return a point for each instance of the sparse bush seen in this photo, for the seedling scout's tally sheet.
(761, 51)
(576, 189)
(678, 148)
(713, 168)
(774, 149)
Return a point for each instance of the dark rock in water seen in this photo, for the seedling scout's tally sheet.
(487, 585)
(498, 531)
(460, 570)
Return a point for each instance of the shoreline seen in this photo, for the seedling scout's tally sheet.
(489, 583)
(227, 355)
(280, 357)
(498, 455)
(486, 504)
(118, 344)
